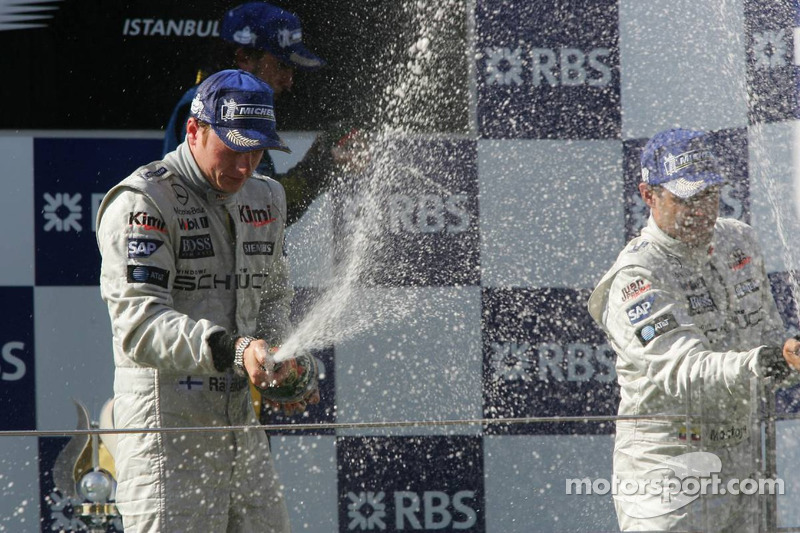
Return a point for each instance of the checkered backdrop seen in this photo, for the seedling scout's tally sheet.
(489, 246)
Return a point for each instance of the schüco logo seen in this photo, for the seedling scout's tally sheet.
(429, 510)
(13, 367)
(565, 66)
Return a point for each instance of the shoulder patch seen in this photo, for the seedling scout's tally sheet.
(657, 327)
(635, 289)
(640, 310)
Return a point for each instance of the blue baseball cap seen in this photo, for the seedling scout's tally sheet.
(681, 161)
(238, 105)
(266, 27)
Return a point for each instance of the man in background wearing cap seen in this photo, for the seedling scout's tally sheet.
(688, 309)
(268, 41)
(196, 282)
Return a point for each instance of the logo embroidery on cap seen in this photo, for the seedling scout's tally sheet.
(240, 140)
(289, 37)
(676, 163)
(245, 36)
(197, 107)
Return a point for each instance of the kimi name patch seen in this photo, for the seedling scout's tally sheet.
(659, 326)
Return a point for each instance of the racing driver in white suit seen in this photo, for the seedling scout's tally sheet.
(197, 287)
(688, 309)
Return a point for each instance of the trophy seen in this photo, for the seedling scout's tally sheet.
(84, 474)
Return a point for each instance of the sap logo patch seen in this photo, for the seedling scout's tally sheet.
(640, 310)
(700, 303)
(258, 248)
(195, 247)
(138, 248)
(746, 287)
(148, 274)
(661, 325)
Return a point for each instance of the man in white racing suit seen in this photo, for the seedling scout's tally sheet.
(197, 287)
(688, 309)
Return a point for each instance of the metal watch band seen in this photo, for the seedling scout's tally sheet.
(238, 355)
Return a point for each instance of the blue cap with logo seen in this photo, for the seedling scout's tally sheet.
(267, 27)
(238, 105)
(681, 161)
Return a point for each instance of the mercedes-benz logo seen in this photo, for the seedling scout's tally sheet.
(181, 194)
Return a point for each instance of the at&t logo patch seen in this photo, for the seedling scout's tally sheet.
(148, 274)
(660, 326)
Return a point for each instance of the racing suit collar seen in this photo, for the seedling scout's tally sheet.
(182, 160)
(693, 254)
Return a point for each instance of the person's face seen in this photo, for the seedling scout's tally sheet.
(277, 74)
(691, 220)
(225, 169)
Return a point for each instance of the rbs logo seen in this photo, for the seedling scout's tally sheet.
(14, 367)
(428, 213)
(429, 511)
(571, 67)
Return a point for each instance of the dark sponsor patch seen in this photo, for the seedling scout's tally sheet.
(690, 284)
(700, 303)
(196, 246)
(746, 319)
(746, 287)
(258, 247)
(156, 173)
(657, 327)
(138, 248)
(148, 274)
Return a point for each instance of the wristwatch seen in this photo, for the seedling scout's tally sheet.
(238, 355)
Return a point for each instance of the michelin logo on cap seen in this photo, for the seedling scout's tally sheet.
(675, 163)
(230, 110)
(245, 37)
